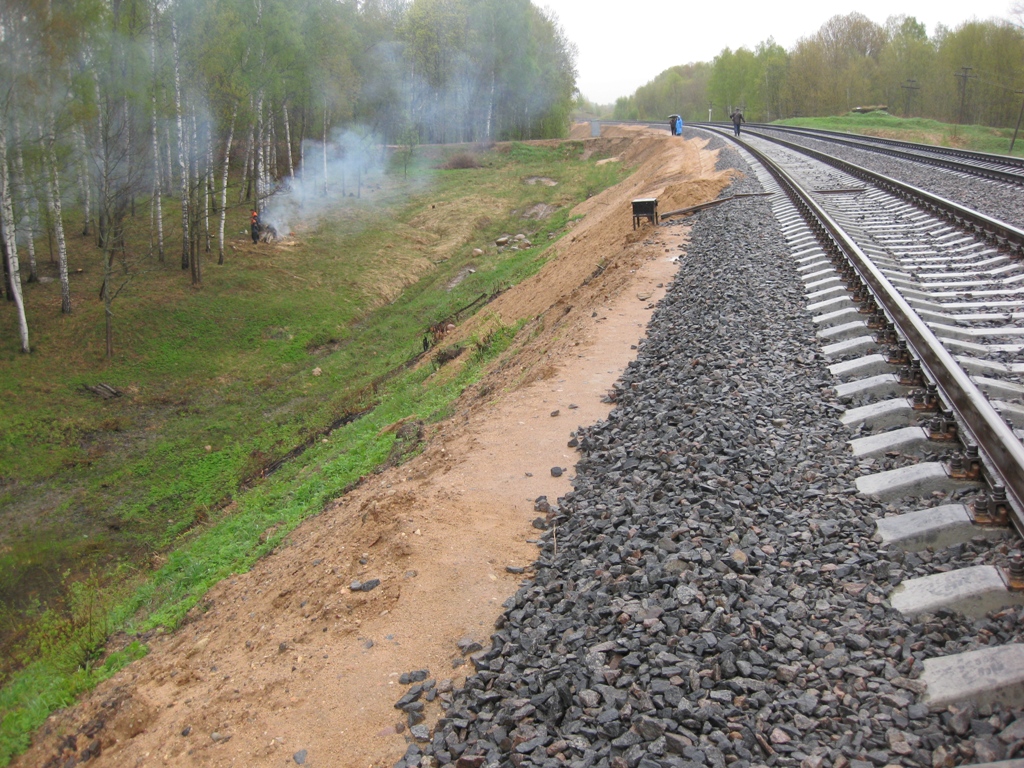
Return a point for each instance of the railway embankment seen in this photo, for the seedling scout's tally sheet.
(711, 592)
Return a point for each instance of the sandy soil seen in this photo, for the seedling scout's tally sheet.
(287, 657)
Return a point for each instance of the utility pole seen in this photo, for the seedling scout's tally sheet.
(710, 107)
(963, 76)
(908, 95)
(1019, 116)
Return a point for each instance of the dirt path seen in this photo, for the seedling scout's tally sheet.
(287, 664)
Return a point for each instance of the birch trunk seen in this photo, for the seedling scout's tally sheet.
(224, 186)
(128, 155)
(130, 159)
(243, 193)
(108, 299)
(31, 207)
(157, 215)
(273, 171)
(5, 284)
(194, 263)
(106, 292)
(84, 183)
(58, 228)
(288, 139)
(57, 221)
(490, 106)
(10, 247)
(208, 185)
(168, 156)
(48, 189)
(270, 152)
(104, 176)
(195, 163)
(270, 167)
(302, 142)
(118, 209)
(325, 152)
(54, 207)
(182, 166)
(260, 157)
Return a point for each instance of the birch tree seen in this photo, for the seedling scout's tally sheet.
(49, 140)
(226, 166)
(28, 202)
(183, 167)
(157, 210)
(84, 179)
(10, 248)
(194, 205)
(287, 138)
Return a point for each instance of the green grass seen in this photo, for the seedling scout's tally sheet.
(979, 138)
(119, 515)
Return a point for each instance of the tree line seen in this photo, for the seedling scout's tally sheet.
(109, 108)
(971, 74)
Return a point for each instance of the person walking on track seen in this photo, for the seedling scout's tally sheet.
(737, 118)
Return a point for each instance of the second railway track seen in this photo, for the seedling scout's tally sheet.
(1002, 168)
(995, 198)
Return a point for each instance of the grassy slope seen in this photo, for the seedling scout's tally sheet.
(979, 138)
(118, 515)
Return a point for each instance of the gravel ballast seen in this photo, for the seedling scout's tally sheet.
(710, 594)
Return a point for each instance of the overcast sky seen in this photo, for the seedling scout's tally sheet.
(623, 45)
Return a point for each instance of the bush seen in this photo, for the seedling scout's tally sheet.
(460, 161)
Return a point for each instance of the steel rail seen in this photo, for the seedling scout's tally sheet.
(995, 174)
(1001, 452)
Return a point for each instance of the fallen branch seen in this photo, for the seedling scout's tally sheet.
(103, 390)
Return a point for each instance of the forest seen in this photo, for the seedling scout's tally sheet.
(146, 110)
(150, 110)
(972, 74)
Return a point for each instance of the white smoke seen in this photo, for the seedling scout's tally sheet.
(326, 179)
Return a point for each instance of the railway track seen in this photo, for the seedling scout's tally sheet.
(996, 199)
(923, 282)
(1000, 168)
(893, 276)
(771, 554)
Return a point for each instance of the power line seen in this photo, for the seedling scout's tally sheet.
(1019, 116)
(963, 76)
(908, 94)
